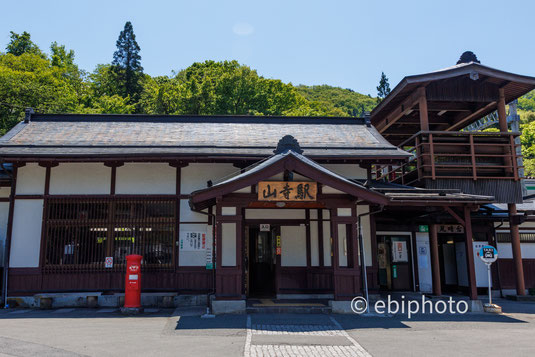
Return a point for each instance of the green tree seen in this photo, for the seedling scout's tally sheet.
(127, 64)
(347, 102)
(383, 89)
(20, 44)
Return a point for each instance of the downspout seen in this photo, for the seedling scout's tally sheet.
(214, 265)
(363, 256)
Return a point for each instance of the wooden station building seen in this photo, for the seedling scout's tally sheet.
(248, 206)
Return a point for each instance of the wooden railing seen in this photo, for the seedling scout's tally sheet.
(455, 155)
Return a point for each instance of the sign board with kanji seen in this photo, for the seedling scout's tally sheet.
(450, 228)
(287, 191)
(264, 227)
(192, 241)
(399, 251)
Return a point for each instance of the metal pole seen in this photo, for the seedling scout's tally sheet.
(490, 291)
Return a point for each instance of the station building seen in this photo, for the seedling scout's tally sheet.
(240, 207)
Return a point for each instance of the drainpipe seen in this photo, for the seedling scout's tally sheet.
(497, 261)
(214, 265)
(363, 254)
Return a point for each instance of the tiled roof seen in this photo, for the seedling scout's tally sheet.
(79, 135)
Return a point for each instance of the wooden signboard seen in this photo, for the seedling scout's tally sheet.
(287, 191)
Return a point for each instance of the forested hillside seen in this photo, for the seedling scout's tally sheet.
(51, 82)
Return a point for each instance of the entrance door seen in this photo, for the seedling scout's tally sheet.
(262, 261)
(394, 258)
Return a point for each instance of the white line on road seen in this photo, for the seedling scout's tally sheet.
(247, 351)
(357, 345)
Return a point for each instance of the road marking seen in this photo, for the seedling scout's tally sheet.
(353, 341)
(287, 350)
(304, 330)
(247, 351)
(62, 311)
(305, 351)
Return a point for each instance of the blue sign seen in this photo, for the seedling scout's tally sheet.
(488, 254)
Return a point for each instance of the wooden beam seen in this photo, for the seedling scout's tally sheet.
(517, 253)
(435, 261)
(463, 121)
(455, 215)
(404, 108)
(470, 254)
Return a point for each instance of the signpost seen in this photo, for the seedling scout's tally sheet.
(488, 254)
(287, 191)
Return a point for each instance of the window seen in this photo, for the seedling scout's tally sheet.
(81, 233)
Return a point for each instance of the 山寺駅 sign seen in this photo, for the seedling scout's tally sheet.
(287, 191)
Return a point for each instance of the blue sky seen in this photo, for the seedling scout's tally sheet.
(340, 43)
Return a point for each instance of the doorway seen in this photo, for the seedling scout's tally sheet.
(394, 260)
(261, 263)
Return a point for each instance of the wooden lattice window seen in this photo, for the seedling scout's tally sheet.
(81, 233)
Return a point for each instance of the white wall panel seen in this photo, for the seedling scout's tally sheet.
(80, 179)
(228, 246)
(293, 246)
(30, 180)
(26, 235)
(194, 176)
(146, 178)
(5, 191)
(187, 215)
(505, 250)
(349, 171)
(275, 213)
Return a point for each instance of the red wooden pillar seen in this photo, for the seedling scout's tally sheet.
(422, 106)
(435, 264)
(470, 254)
(517, 253)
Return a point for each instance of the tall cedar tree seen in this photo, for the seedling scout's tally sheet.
(384, 88)
(127, 64)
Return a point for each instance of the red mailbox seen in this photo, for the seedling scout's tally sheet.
(132, 285)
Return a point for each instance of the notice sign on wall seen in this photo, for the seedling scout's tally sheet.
(193, 241)
(108, 263)
(399, 251)
(287, 191)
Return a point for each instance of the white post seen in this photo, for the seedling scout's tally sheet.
(490, 281)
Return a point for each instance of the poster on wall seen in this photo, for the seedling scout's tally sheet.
(209, 255)
(193, 241)
(399, 251)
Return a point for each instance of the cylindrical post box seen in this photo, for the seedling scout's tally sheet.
(132, 286)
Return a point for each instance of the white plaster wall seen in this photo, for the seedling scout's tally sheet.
(80, 178)
(26, 235)
(505, 250)
(5, 191)
(146, 178)
(198, 258)
(424, 262)
(342, 245)
(329, 189)
(327, 243)
(275, 213)
(366, 233)
(4, 213)
(187, 215)
(293, 246)
(228, 244)
(350, 171)
(30, 180)
(194, 176)
(314, 250)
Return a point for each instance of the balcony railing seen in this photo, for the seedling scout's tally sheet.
(455, 155)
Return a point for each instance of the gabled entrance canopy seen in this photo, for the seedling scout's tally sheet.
(286, 161)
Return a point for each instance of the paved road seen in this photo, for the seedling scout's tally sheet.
(105, 332)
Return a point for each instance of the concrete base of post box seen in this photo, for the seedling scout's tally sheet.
(228, 307)
(131, 310)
